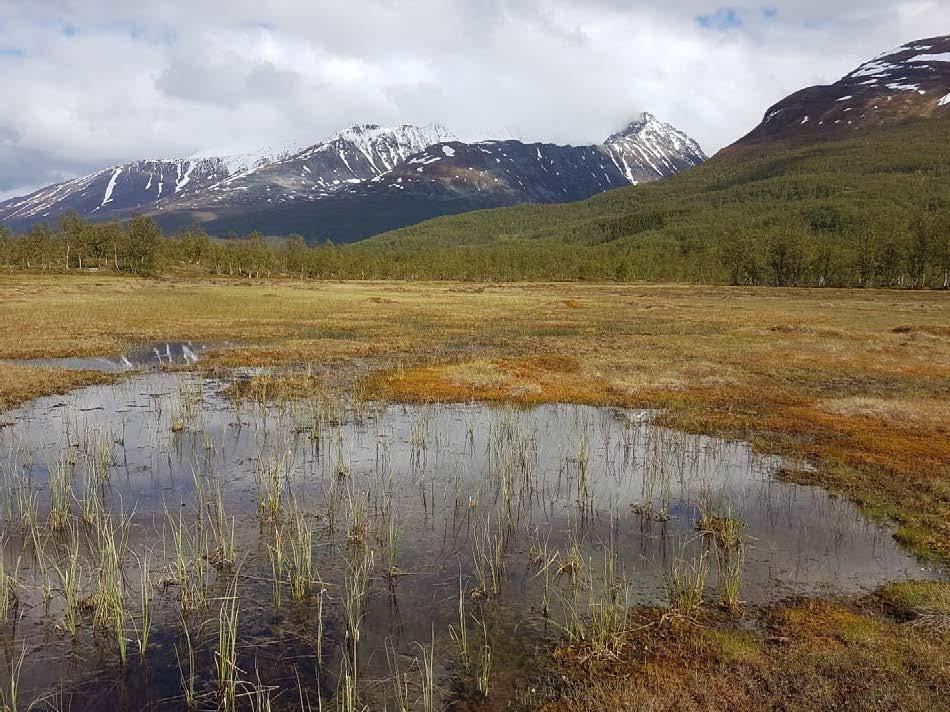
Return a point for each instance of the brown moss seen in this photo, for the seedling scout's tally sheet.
(19, 384)
(812, 654)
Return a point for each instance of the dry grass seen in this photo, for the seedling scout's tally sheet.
(857, 381)
(276, 388)
(20, 383)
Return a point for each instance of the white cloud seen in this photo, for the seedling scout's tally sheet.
(88, 83)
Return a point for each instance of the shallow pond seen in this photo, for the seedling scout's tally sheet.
(166, 353)
(446, 542)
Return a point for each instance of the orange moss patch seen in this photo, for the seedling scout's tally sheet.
(532, 380)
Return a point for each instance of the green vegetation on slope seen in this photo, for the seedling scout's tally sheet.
(869, 211)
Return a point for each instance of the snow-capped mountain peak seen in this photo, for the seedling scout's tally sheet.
(378, 149)
(648, 149)
(249, 160)
(636, 126)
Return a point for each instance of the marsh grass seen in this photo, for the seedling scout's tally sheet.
(23, 502)
(301, 555)
(10, 691)
(225, 655)
(460, 635)
(427, 674)
(272, 474)
(90, 504)
(685, 579)
(222, 528)
(488, 553)
(609, 606)
(392, 546)
(145, 606)
(484, 661)
(189, 563)
(725, 533)
(356, 581)
(188, 680)
(275, 555)
(70, 573)
(8, 583)
(61, 492)
(187, 409)
(400, 679)
(109, 601)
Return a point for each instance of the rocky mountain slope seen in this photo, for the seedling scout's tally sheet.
(910, 82)
(348, 157)
(406, 173)
(649, 149)
(546, 173)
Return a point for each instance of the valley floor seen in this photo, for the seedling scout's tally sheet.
(855, 382)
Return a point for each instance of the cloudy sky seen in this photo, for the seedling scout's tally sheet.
(89, 83)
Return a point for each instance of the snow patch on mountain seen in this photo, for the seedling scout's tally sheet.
(381, 148)
(944, 57)
(111, 186)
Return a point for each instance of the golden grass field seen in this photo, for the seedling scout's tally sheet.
(855, 381)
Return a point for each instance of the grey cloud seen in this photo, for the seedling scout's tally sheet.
(168, 78)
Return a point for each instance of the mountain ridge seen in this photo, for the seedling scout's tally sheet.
(334, 176)
(909, 82)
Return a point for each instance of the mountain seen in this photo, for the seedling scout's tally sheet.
(649, 149)
(910, 82)
(512, 172)
(149, 186)
(793, 202)
(361, 181)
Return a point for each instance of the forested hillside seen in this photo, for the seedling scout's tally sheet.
(868, 210)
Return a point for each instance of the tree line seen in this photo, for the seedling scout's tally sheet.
(913, 256)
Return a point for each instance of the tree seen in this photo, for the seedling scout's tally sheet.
(296, 255)
(144, 245)
(739, 255)
(786, 259)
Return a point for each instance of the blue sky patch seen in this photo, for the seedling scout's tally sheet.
(725, 18)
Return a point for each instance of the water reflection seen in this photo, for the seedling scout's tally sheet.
(520, 509)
